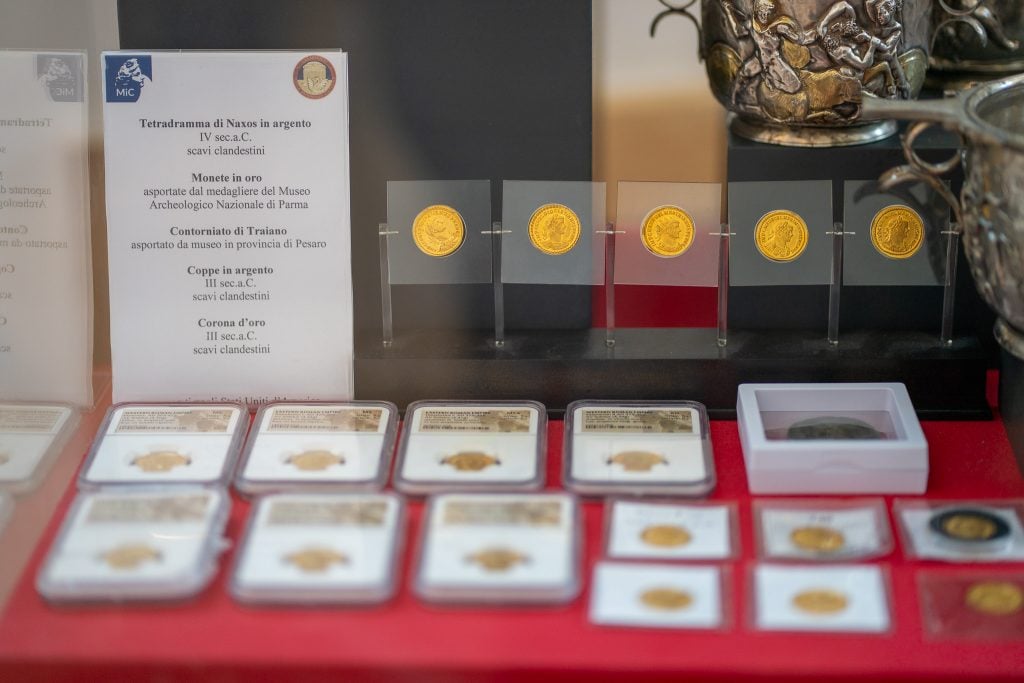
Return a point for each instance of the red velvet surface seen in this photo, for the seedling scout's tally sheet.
(214, 637)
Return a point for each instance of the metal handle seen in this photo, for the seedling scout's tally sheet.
(948, 112)
(982, 20)
(684, 10)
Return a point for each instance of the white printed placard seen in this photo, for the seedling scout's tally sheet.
(45, 272)
(228, 225)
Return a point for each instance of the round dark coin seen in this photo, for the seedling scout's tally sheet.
(833, 429)
(969, 525)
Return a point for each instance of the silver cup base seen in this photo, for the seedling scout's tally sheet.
(807, 136)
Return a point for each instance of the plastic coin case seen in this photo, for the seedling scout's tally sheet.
(962, 530)
(136, 545)
(638, 448)
(646, 529)
(472, 446)
(319, 447)
(835, 597)
(972, 604)
(32, 436)
(500, 548)
(320, 549)
(166, 444)
(822, 530)
(643, 595)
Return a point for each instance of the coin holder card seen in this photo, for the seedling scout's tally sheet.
(638, 448)
(822, 530)
(500, 548)
(136, 545)
(840, 598)
(664, 530)
(161, 444)
(972, 605)
(844, 438)
(319, 549)
(962, 530)
(644, 595)
(319, 446)
(472, 446)
(32, 436)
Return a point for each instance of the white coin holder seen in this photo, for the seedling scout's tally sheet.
(638, 448)
(500, 549)
(658, 596)
(667, 530)
(472, 446)
(822, 530)
(165, 444)
(316, 549)
(32, 436)
(136, 545)
(319, 447)
(983, 531)
(837, 598)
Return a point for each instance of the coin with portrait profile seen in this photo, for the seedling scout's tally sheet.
(897, 232)
(781, 236)
(438, 230)
(666, 535)
(995, 598)
(818, 539)
(667, 231)
(666, 599)
(820, 601)
(554, 229)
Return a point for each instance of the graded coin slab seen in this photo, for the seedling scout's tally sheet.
(32, 436)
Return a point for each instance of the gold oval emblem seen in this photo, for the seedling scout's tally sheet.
(818, 539)
(314, 77)
(781, 236)
(316, 560)
(497, 559)
(130, 556)
(315, 460)
(161, 461)
(968, 527)
(667, 231)
(554, 229)
(997, 598)
(470, 461)
(820, 601)
(666, 599)
(897, 232)
(637, 461)
(666, 536)
(438, 230)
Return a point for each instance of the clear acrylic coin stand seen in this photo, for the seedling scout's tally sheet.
(32, 436)
(319, 447)
(316, 549)
(166, 444)
(822, 530)
(663, 596)
(962, 530)
(669, 530)
(136, 545)
(972, 605)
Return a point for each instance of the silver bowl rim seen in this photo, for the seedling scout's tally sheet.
(989, 132)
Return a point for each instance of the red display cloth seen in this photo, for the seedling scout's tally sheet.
(214, 637)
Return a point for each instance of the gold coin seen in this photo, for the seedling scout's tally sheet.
(666, 599)
(819, 539)
(438, 230)
(998, 598)
(470, 461)
(315, 560)
(666, 536)
(667, 231)
(820, 601)
(130, 556)
(781, 236)
(969, 527)
(554, 229)
(498, 559)
(897, 232)
(161, 461)
(315, 461)
(637, 461)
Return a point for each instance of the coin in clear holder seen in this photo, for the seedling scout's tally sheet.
(134, 545)
(822, 530)
(973, 605)
(318, 446)
(643, 595)
(186, 444)
(665, 530)
(962, 531)
(841, 598)
(320, 548)
(31, 438)
(500, 548)
(472, 446)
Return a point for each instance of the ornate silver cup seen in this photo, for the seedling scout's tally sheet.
(794, 72)
(977, 40)
(990, 211)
